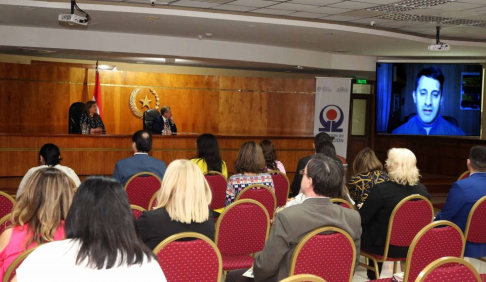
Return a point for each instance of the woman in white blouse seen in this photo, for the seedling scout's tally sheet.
(49, 156)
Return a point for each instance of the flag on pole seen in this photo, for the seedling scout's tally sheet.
(97, 93)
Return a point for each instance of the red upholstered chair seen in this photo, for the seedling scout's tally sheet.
(464, 175)
(438, 239)
(409, 216)
(11, 270)
(449, 269)
(262, 194)
(282, 187)
(153, 201)
(217, 182)
(5, 222)
(241, 230)
(342, 159)
(343, 203)
(303, 278)
(6, 204)
(475, 231)
(195, 260)
(137, 210)
(141, 187)
(330, 256)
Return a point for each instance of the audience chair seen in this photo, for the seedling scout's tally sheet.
(217, 183)
(343, 203)
(6, 204)
(195, 260)
(409, 216)
(141, 187)
(475, 231)
(449, 269)
(438, 239)
(148, 118)
(303, 278)
(12, 269)
(331, 256)
(5, 222)
(282, 187)
(262, 194)
(342, 159)
(241, 230)
(153, 201)
(137, 210)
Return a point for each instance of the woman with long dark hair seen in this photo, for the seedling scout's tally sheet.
(101, 242)
(208, 157)
(270, 155)
(91, 118)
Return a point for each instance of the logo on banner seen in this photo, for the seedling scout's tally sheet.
(331, 118)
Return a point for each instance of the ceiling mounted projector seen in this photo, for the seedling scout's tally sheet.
(439, 46)
(73, 18)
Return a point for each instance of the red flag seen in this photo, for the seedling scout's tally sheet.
(97, 94)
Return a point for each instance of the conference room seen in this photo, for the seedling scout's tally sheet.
(105, 81)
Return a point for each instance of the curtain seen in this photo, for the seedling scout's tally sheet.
(384, 74)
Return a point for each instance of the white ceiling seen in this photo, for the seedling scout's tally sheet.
(324, 26)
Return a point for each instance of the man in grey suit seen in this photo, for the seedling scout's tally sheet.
(140, 161)
(322, 179)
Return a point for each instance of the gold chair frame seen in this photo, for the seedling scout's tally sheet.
(178, 236)
(445, 260)
(285, 175)
(5, 218)
(258, 186)
(342, 201)
(215, 172)
(15, 264)
(303, 278)
(388, 235)
(135, 207)
(318, 231)
(151, 202)
(462, 175)
(141, 174)
(10, 198)
(469, 217)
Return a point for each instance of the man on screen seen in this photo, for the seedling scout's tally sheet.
(427, 97)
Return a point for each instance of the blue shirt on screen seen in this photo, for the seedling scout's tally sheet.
(439, 127)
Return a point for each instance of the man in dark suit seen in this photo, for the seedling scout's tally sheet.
(321, 180)
(165, 119)
(318, 139)
(464, 194)
(140, 161)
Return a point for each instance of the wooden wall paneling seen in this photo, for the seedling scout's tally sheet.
(10, 93)
(290, 114)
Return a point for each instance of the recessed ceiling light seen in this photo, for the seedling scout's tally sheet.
(330, 33)
(140, 62)
(47, 51)
(151, 18)
(299, 67)
(26, 8)
(252, 25)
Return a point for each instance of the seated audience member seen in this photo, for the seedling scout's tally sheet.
(164, 121)
(140, 161)
(208, 157)
(295, 187)
(328, 149)
(271, 156)
(376, 211)
(182, 206)
(101, 242)
(250, 168)
(368, 172)
(38, 216)
(322, 179)
(49, 156)
(464, 194)
(92, 119)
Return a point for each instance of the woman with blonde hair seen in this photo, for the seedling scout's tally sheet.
(368, 172)
(38, 216)
(376, 211)
(183, 205)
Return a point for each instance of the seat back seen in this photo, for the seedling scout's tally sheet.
(217, 183)
(475, 231)
(195, 260)
(12, 269)
(343, 203)
(449, 269)
(153, 201)
(331, 256)
(409, 216)
(262, 194)
(246, 219)
(148, 118)
(303, 278)
(464, 175)
(282, 187)
(5, 222)
(342, 159)
(438, 239)
(6, 204)
(137, 211)
(141, 187)
(75, 112)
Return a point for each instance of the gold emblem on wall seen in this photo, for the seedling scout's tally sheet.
(144, 102)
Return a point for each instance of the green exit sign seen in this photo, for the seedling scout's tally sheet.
(361, 81)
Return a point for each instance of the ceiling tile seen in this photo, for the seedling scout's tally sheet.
(352, 5)
(272, 12)
(367, 21)
(424, 12)
(316, 2)
(381, 2)
(478, 17)
(455, 6)
(305, 15)
(234, 8)
(472, 1)
(330, 10)
(339, 18)
(253, 3)
(293, 7)
(194, 4)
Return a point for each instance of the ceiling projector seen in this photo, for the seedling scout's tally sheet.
(439, 47)
(73, 19)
